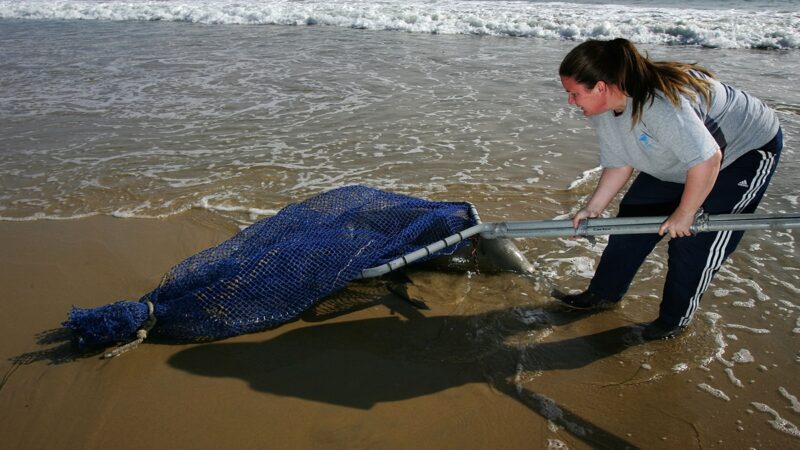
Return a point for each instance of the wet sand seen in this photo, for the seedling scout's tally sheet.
(493, 363)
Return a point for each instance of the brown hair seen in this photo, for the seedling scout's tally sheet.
(619, 63)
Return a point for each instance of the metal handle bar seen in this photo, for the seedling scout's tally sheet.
(589, 227)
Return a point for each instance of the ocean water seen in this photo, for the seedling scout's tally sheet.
(152, 108)
(145, 108)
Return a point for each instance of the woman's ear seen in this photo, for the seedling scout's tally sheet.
(600, 86)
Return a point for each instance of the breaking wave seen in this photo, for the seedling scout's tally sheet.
(716, 27)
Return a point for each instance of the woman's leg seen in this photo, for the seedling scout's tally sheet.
(694, 260)
(624, 254)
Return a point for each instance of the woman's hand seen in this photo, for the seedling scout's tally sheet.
(699, 182)
(611, 181)
(678, 224)
(584, 213)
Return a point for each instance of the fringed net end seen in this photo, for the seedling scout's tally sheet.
(107, 325)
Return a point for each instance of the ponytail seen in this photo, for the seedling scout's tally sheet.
(619, 63)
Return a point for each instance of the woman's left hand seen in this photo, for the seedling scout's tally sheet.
(678, 224)
(699, 181)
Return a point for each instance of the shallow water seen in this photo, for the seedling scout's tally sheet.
(150, 119)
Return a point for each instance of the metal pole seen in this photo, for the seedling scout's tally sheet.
(590, 227)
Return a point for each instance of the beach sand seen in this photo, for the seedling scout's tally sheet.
(364, 370)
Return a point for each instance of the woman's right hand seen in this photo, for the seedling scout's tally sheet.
(611, 181)
(584, 213)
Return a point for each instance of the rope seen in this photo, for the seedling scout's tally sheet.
(474, 254)
(141, 334)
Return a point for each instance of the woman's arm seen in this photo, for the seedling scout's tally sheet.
(611, 181)
(699, 182)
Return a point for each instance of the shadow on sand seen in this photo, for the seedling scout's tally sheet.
(364, 362)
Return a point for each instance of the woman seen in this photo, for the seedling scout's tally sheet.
(696, 143)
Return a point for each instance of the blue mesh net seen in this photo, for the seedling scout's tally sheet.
(273, 270)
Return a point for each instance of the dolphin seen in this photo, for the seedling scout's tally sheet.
(485, 256)
(488, 256)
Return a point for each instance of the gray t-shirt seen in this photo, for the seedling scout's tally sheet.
(667, 141)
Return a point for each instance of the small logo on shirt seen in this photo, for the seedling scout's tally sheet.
(743, 183)
(646, 141)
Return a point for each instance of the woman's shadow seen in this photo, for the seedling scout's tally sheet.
(363, 362)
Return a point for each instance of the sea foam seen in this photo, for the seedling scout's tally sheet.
(719, 28)
(714, 391)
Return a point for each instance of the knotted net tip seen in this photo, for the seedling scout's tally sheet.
(107, 325)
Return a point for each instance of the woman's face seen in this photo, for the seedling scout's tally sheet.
(592, 100)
